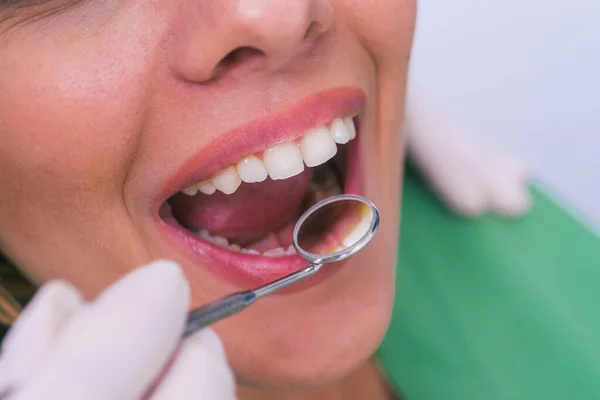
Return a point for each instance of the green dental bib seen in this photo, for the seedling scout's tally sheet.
(493, 309)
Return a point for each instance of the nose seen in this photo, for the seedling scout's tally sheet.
(216, 35)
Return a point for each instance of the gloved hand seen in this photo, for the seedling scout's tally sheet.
(469, 177)
(125, 345)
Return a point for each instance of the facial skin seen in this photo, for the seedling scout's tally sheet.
(102, 101)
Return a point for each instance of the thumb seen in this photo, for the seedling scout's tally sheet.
(200, 368)
(115, 347)
(34, 333)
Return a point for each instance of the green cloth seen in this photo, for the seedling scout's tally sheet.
(491, 308)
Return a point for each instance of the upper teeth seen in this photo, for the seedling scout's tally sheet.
(281, 161)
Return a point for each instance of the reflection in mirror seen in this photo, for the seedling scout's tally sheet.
(335, 227)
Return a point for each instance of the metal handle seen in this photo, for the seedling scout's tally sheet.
(223, 308)
(216, 311)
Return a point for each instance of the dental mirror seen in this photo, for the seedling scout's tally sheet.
(335, 228)
(332, 230)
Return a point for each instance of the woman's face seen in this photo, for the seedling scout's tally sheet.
(109, 109)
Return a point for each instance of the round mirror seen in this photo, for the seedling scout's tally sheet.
(335, 228)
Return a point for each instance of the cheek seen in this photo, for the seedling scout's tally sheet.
(66, 117)
(71, 116)
(385, 27)
(73, 121)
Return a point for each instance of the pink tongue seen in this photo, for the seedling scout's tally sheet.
(252, 212)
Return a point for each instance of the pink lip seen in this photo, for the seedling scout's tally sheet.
(249, 270)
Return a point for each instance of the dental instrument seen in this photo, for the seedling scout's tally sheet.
(316, 252)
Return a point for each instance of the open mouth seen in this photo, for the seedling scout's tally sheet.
(241, 218)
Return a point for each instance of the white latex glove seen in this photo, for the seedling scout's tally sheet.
(469, 177)
(125, 345)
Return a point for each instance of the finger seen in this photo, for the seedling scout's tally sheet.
(115, 347)
(510, 199)
(200, 369)
(514, 166)
(452, 176)
(459, 188)
(53, 302)
(461, 196)
(508, 191)
(32, 335)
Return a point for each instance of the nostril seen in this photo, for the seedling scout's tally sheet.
(235, 58)
(239, 56)
(312, 30)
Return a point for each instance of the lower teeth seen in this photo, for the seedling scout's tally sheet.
(250, 251)
(325, 183)
(278, 252)
(224, 243)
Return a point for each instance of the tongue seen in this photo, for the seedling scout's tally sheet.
(252, 212)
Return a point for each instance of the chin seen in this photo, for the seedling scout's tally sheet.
(316, 336)
(339, 351)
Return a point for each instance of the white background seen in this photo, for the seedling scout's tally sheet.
(524, 74)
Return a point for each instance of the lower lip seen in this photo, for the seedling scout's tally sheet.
(250, 271)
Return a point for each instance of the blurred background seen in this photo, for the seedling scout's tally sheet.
(526, 76)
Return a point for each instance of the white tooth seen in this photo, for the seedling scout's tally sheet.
(283, 161)
(250, 251)
(235, 247)
(290, 250)
(351, 127)
(207, 187)
(251, 170)
(191, 190)
(204, 234)
(359, 231)
(279, 251)
(340, 131)
(317, 147)
(227, 181)
(220, 241)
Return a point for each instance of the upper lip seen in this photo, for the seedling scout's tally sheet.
(255, 136)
